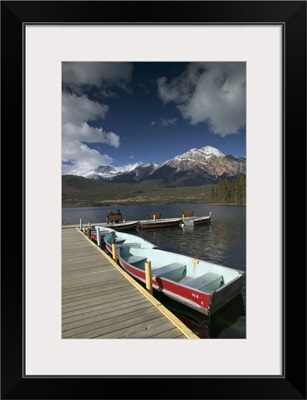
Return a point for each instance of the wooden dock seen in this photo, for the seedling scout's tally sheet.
(100, 300)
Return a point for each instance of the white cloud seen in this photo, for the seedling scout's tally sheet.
(165, 122)
(81, 157)
(77, 112)
(96, 73)
(209, 92)
(168, 121)
(89, 134)
(77, 109)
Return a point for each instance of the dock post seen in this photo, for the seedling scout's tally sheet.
(80, 224)
(114, 255)
(98, 236)
(89, 230)
(148, 276)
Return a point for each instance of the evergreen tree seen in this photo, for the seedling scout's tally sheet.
(229, 192)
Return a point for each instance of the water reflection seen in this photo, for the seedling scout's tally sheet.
(231, 318)
(221, 242)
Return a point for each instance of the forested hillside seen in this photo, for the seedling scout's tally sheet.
(229, 192)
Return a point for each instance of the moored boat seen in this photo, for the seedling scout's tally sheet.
(116, 222)
(198, 284)
(155, 221)
(191, 220)
(123, 226)
(103, 230)
(125, 239)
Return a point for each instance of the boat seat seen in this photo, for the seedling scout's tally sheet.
(118, 241)
(135, 244)
(174, 271)
(206, 282)
(157, 215)
(187, 213)
(134, 259)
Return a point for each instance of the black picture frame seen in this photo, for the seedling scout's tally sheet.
(292, 16)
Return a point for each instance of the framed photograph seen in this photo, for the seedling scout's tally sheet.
(45, 46)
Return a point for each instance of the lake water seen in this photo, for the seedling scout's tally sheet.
(222, 242)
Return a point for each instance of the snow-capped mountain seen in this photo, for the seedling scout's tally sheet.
(200, 167)
(131, 172)
(205, 152)
(195, 167)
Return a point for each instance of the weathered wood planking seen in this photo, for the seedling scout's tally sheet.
(101, 301)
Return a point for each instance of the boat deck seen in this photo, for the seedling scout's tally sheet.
(100, 300)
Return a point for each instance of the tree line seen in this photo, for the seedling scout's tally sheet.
(229, 192)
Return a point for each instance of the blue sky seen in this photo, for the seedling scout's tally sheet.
(122, 113)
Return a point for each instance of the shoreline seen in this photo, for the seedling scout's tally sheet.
(119, 204)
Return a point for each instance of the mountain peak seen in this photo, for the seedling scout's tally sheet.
(202, 153)
(197, 166)
(209, 151)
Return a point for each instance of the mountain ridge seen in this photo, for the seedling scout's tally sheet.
(206, 165)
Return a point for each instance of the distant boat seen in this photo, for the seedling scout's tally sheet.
(116, 222)
(155, 221)
(200, 285)
(123, 226)
(189, 219)
(125, 239)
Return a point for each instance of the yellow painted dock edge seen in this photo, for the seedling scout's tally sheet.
(176, 321)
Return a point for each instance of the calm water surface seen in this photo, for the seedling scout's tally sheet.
(222, 242)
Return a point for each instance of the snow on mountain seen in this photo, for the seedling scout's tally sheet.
(209, 151)
(109, 172)
(104, 171)
(196, 166)
(206, 152)
(199, 167)
(194, 154)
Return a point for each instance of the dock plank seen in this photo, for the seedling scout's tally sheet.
(123, 310)
(108, 326)
(99, 300)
